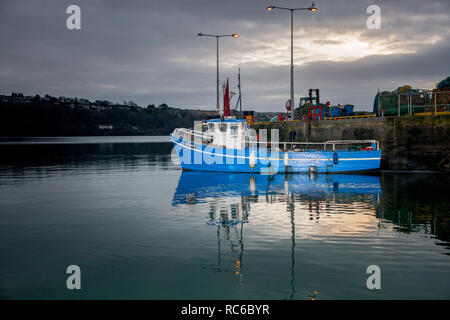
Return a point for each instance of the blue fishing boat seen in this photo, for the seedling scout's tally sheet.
(230, 145)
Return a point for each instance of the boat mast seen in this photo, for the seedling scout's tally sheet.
(239, 100)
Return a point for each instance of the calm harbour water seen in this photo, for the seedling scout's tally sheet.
(139, 227)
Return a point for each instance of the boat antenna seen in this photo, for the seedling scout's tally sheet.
(239, 100)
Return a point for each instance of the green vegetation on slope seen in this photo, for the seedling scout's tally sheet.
(49, 118)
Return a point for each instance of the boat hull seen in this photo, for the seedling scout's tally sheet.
(200, 157)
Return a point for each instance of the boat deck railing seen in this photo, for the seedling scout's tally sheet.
(188, 134)
(318, 145)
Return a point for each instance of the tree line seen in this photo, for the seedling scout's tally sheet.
(44, 118)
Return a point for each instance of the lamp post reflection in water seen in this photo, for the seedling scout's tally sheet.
(291, 208)
(230, 198)
(230, 219)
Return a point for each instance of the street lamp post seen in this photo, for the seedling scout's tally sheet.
(217, 36)
(311, 8)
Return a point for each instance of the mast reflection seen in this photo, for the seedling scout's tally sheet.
(232, 196)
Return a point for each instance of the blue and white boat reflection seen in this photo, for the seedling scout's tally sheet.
(194, 187)
(228, 199)
(230, 196)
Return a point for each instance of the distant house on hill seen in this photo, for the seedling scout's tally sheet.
(98, 107)
(123, 107)
(83, 101)
(83, 106)
(105, 126)
(5, 98)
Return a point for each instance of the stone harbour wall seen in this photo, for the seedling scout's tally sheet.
(407, 143)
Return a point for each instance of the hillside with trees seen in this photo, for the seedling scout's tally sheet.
(50, 116)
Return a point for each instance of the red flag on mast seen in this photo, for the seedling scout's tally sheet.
(226, 102)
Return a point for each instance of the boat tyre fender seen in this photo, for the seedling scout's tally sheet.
(335, 158)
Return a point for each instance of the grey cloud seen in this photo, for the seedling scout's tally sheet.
(148, 51)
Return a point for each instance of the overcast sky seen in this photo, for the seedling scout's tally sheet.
(148, 51)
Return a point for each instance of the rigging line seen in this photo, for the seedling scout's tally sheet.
(240, 51)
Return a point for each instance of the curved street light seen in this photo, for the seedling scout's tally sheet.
(217, 36)
(312, 8)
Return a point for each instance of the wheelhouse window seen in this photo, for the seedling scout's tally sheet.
(234, 130)
(223, 127)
